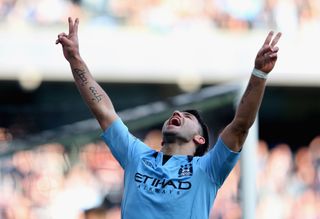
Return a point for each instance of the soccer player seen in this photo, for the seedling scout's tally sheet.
(181, 180)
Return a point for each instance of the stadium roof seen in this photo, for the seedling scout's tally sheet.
(122, 55)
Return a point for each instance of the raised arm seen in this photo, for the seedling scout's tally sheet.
(94, 96)
(236, 132)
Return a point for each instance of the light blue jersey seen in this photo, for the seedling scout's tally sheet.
(184, 187)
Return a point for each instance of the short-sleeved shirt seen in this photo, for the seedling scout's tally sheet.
(183, 187)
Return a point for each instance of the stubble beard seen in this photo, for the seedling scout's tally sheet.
(170, 138)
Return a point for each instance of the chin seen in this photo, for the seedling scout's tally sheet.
(169, 132)
(169, 136)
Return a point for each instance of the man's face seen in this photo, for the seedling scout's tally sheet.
(181, 125)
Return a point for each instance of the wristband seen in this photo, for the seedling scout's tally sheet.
(260, 74)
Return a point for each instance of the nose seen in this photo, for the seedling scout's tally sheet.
(176, 113)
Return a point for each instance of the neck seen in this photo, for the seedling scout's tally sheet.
(178, 148)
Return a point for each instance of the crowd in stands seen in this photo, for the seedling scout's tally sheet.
(162, 15)
(54, 182)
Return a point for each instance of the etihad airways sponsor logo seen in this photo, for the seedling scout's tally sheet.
(152, 184)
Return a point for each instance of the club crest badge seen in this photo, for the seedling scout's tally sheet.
(185, 170)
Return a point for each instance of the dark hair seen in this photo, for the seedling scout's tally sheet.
(201, 149)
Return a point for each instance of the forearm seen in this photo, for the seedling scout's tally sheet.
(94, 96)
(250, 103)
(236, 132)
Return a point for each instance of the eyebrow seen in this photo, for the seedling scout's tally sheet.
(189, 114)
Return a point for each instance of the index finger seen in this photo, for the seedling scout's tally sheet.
(71, 29)
(276, 39)
(268, 39)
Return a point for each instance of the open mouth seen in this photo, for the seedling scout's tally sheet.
(175, 121)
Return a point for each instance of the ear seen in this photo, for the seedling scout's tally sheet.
(198, 139)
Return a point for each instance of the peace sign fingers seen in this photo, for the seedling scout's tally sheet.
(73, 26)
(267, 55)
(69, 41)
(275, 39)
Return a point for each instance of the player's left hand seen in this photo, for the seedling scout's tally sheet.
(267, 55)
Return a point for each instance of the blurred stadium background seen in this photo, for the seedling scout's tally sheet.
(153, 56)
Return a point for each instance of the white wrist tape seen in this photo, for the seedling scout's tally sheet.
(259, 74)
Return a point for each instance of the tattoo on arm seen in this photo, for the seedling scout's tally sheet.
(80, 76)
(248, 90)
(96, 96)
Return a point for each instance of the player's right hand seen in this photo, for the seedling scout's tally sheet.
(70, 44)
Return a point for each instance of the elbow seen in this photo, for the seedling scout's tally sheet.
(240, 133)
(241, 129)
(242, 125)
